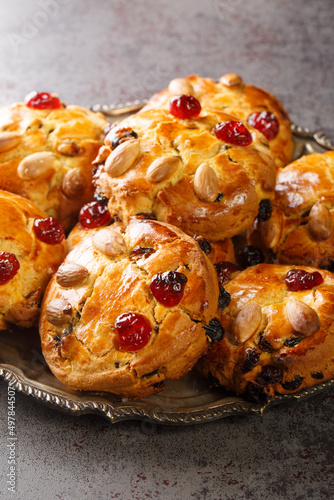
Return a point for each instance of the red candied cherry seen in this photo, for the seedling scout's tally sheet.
(9, 265)
(133, 331)
(42, 100)
(93, 215)
(167, 288)
(234, 133)
(224, 271)
(184, 106)
(297, 280)
(49, 230)
(266, 123)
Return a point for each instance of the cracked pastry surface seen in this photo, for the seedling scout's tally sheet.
(26, 262)
(46, 156)
(232, 96)
(276, 340)
(300, 230)
(110, 275)
(182, 173)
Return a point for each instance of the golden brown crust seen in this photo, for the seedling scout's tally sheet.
(239, 100)
(20, 297)
(84, 353)
(275, 358)
(73, 135)
(245, 175)
(295, 232)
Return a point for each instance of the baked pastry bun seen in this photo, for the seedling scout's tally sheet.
(128, 309)
(182, 173)
(32, 247)
(301, 227)
(46, 156)
(248, 103)
(279, 332)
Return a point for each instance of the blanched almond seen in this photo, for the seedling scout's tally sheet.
(36, 165)
(8, 140)
(320, 222)
(58, 312)
(162, 168)
(68, 148)
(231, 80)
(109, 242)
(206, 184)
(247, 322)
(302, 317)
(122, 158)
(74, 183)
(71, 274)
(271, 229)
(180, 86)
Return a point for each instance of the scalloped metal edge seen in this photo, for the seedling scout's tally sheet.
(145, 410)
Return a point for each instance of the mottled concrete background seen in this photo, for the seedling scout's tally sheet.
(114, 51)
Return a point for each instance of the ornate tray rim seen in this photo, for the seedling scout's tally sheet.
(96, 403)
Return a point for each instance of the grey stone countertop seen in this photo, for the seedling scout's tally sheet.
(120, 50)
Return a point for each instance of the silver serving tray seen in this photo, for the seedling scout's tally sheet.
(189, 400)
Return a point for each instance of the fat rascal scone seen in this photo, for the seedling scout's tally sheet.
(128, 309)
(301, 228)
(46, 154)
(206, 173)
(231, 95)
(32, 246)
(279, 332)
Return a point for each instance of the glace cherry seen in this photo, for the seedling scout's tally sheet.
(297, 280)
(266, 123)
(167, 288)
(234, 133)
(133, 331)
(49, 230)
(93, 215)
(184, 106)
(42, 100)
(9, 266)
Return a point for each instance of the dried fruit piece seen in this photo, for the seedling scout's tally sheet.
(270, 374)
(293, 384)
(71, 274)
(42, 100)
(168, 288)
(9, 266)
(94, 215)
(302, 317)
(265, 210)
(118, 136)
(224, 298)
(204, 244)
(320, 222)
(206, 185)
(36, 165)
(225, 270)
(298, 279)
(133, 331)
(9, 140)
(122, 158)
(49, 230)
(58, 312)
(109, 242)
(247, 322)
(249, 256)
(162, 168)
(214, 330)
(234, 133)
(184, 106)
(252, 358)
(180, 86)
(266, 123)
